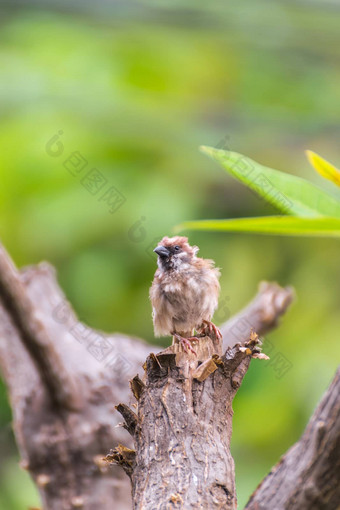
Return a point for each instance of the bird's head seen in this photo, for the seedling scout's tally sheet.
(175, 253)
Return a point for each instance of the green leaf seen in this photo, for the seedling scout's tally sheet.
(289, 193)
(324, 167)
(276, 225)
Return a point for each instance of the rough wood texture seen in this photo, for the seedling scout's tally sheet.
(65, 378)
(184, 426)
(308, 475)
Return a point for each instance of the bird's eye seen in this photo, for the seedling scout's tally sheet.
(177, 248)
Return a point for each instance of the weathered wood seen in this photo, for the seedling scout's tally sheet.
(64, 379)
(130, 418)
(182, 436)
(62, 445)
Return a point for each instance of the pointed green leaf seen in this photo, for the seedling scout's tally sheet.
(325, 169)
(289, 193)
(276, 225)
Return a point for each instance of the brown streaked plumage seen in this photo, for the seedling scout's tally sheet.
(184, 292)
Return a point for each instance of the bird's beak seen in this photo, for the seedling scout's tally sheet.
(162, 251)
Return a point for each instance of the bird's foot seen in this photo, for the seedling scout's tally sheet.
(186, 342)
(209, 327)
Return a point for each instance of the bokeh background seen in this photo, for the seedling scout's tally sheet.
(135, 88)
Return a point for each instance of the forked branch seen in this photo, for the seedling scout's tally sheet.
(72, 376)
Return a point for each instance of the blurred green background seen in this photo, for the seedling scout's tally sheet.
(135, 88)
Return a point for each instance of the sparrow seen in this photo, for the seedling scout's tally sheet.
(184, 293)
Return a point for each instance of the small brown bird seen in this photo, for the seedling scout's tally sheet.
(184, 292)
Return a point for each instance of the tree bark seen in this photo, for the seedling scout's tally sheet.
(183, 428)
(64, 379)
(182, 434)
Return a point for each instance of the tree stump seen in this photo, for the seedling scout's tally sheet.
(63, 378)
(183, 427)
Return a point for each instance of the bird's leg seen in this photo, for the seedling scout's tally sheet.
(186, 342)
(209, 327)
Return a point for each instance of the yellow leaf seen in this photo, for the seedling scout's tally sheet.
(325, 169)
